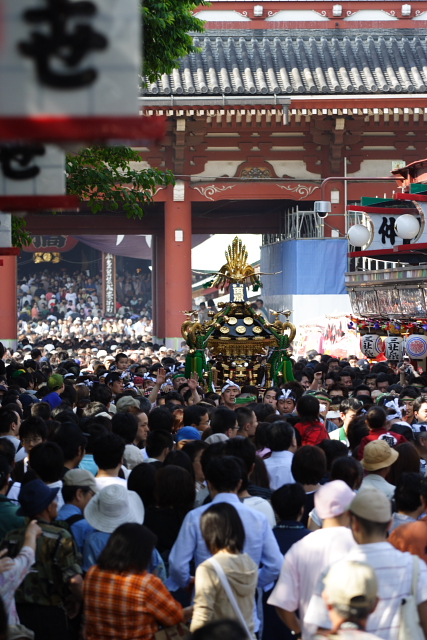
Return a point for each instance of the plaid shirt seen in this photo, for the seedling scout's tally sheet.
(120, 606)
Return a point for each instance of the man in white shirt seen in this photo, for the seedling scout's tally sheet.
(108, 454)
(282, 442)
(306, 559)
(370, 519)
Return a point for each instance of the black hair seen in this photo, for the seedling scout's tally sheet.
(47, 461)
(63, 413)
(243, 415)
(308, 408)
(333, 449)
(120, 356)
(42, 410)
(214, 450)
(101, 393)
(174, 395)
(7, 418)
(194, 414)
(221, 630)
(69, 492)
(222, 419)
(262, 410)
(69, 395)
(108, 451)
(112, 377)
(357, 430)
(305, 373)
(224, 473)
(408, 491)
(92, 431)
(350, 404)
(33, 426)
(409, 392)
(222, 528)
(142, 480)
(362, 387)
(309, 464)
(160, 418)
(279, 436)
(180, 459)
(7, 449)
(5, 470)
(376, 418)
(128, 549)
(288, 500)
(347, 469)
(70, 438)
(157, 441)
(125, 425)
(175, 488)
(241, 448)
(193, 447)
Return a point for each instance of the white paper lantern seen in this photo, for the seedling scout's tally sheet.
(371, 345)
(407, 226)
(394, 348)
(416, 347)
(359, 235)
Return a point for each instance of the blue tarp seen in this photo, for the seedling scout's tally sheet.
(308, 267)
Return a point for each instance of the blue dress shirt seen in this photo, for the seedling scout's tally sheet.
(79, 529)
(260, 544)
(97, 541)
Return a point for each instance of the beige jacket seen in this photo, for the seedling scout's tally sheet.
(211, 602)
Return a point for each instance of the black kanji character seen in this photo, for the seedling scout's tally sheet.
(70, 48)
(21, 155)
(387, 230)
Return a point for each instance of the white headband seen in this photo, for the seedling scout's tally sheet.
(286, 393)
(229, 383)
(394, 404)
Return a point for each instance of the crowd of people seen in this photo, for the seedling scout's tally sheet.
(55, 305)
(136, 503)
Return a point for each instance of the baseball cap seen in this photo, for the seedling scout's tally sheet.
(372, 504)
(378, 455)
(127, 402)
(55, 381)
(35, 496)
(351, 584)
(80, 478)
(333, 499)
(188, 433)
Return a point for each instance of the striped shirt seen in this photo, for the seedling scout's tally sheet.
(394, 573)
(123, 606)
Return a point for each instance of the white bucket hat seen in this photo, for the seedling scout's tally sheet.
(112, 506)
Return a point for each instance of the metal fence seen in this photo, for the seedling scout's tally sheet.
(297, 225)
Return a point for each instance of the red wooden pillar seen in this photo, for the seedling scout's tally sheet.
(178, 280)
(158, 286)
(8, 306)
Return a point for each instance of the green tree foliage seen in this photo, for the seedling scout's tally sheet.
(167, 24)
(104, 179)
(103, 176)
